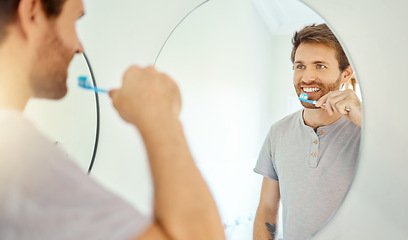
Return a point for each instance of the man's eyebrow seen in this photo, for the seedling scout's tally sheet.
(315, 62)
(321, 62)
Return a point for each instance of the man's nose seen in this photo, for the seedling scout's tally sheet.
(80, 48)
(309, 75)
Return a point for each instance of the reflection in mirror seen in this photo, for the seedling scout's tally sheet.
(311, 154)
(232, 62)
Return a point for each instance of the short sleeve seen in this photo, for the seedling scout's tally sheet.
(264, 164)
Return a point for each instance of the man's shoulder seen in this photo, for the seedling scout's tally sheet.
(21, 139)
(14, 125)
(282, 126)
(288, 121)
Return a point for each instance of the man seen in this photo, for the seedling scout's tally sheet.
(43, 194)
(308, 157)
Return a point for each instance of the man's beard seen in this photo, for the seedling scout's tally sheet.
(49, 75)
(324, 89)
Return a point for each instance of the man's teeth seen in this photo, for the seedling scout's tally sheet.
(311, 89)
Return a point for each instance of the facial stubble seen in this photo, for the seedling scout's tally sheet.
(49, 74)
(324, 89)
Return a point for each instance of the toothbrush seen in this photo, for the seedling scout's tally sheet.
(84, 83)
(303, 97)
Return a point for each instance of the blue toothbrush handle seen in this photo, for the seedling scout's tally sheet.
(314, 102)
(309, 101)
(100, 90)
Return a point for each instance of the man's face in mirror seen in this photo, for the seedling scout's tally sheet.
(56, 46)
(316, 71)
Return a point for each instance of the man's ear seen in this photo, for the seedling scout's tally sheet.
(29, 16)
(347, 74)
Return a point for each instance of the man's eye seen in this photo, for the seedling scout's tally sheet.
(300, 67)
(320, 66)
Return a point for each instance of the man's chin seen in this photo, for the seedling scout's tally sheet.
(52, 95)
(58, 97)
(309, 105)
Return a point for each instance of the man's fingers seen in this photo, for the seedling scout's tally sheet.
(343, 102)
(338, 101)
(112, 92)
(341, 107)
(321, 101)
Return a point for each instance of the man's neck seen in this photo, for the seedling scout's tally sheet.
(318, 117)
(11, 100)
(14, 79)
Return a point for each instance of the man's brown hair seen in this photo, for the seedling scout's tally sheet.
(8, 12)
(320, 34)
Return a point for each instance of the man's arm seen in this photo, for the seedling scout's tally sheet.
(153, 232)
(266, 220)
(183, 206)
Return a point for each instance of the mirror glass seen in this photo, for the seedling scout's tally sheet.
(232, 62)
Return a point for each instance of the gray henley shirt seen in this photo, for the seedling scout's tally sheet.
(314, 170)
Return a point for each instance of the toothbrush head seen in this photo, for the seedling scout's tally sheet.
(303, 97)
(83, 82)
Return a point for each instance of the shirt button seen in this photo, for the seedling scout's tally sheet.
(321, 132)
(314, 154)
(315, 141)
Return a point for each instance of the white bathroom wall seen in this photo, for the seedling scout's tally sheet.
(282, 92)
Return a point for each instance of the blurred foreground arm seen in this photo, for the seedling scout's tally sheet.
(183, 206)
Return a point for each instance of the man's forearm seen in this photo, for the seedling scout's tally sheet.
(265, 226)
(183, 204)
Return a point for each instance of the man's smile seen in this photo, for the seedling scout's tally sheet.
(310, 89)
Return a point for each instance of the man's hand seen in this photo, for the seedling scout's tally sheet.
(146, 97)
(339, 101)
